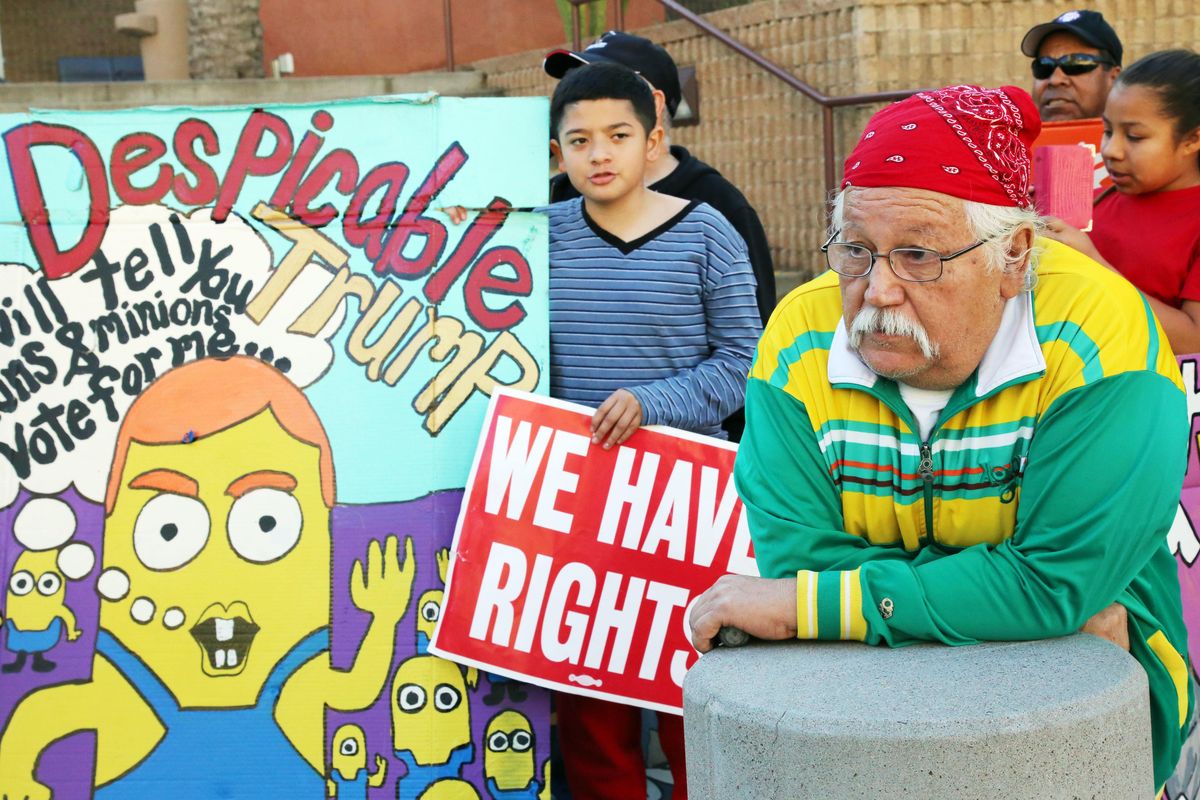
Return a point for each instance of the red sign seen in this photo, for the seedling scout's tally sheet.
(574, 567)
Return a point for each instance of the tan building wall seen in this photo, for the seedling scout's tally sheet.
(37, 32)
(767, 139)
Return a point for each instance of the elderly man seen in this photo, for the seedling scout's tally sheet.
(1076, 58)
(935, 451)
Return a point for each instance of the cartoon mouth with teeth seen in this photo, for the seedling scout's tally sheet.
(225, 635)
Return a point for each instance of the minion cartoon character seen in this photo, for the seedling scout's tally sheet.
(37, 613)
(429, 605)
(214, 630)
(348, 778)
(431, 722)
(508, 758)
(450, 789)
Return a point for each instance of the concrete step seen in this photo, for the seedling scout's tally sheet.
(23, 96)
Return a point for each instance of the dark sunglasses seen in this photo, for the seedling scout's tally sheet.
(1071, 64)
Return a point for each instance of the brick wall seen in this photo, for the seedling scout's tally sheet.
(36, 34)
(225, 39)
(767, 139)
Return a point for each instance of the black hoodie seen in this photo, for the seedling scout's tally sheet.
(692, 179)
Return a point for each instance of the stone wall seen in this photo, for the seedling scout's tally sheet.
(767, 139)
(225, 39)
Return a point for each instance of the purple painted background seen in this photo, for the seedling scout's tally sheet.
(1189, 574)
(67, 766)
(430, 521)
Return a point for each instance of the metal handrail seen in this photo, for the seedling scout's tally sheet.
(826, 102)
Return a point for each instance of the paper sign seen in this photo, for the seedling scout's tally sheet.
(575, 566)
(243, 359)
(1085, 132)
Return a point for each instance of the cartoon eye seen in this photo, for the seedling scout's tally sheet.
(498, 742)
(21, 583)
(521, 741)
(430, 611)
(349, 747)
(446, 698)
(170, 531)
(49, 583)
(264, 525)
(410, 698)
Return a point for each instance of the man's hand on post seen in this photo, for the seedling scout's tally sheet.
(1112, 623)
(765, 608)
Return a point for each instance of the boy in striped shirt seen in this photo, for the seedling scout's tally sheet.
(653, 320)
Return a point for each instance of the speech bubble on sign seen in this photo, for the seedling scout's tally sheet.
(164, 289)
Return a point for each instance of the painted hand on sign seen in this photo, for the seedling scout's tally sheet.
(383, 590)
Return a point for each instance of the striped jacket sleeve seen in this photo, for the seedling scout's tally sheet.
(794, 511)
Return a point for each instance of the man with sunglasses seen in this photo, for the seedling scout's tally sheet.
(1076, 58)
(943, 445)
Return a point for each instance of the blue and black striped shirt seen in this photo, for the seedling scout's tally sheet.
(670, 316)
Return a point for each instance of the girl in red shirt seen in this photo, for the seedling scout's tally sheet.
(1148, 229)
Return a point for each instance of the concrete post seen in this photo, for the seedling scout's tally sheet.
(1065, 718)
(162, 27)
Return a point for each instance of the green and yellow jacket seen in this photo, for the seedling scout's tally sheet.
(1043, 494)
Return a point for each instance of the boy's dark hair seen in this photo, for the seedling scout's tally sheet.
(1175, 75)
(603, 81)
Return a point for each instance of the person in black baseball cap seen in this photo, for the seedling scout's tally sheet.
(1076, 57)
(641, 55)
(676, 171)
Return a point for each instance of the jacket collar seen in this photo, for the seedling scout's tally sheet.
(1013, 353)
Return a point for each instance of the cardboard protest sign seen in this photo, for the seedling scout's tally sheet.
(1085, 133)
(574, 566)
(244, 361)
(1184, 538)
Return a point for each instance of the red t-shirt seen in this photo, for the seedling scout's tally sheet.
(1153, 240)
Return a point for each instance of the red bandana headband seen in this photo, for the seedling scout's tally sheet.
(963, 141)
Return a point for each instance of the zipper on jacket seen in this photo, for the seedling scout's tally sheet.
(925, 469)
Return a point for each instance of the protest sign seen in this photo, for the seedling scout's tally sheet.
(245, 358)
(1183, 538)
(575, 566)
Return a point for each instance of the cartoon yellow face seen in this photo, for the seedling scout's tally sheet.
(431, 715)
(36, 591)
(450, 789)
(349, 750)
(222, 545)
(429, 610)
(508, 751)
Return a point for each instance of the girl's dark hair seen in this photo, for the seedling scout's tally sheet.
(1175, 75)
(603, 81)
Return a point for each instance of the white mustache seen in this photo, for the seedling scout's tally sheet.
(891, 322)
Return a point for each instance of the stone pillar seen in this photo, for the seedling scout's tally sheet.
(1064, 718)
(226, 39)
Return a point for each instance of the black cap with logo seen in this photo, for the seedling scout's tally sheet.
(642, 56)
(1090, 26)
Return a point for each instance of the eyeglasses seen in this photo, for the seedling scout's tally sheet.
(914, 264)
(1071, 64)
